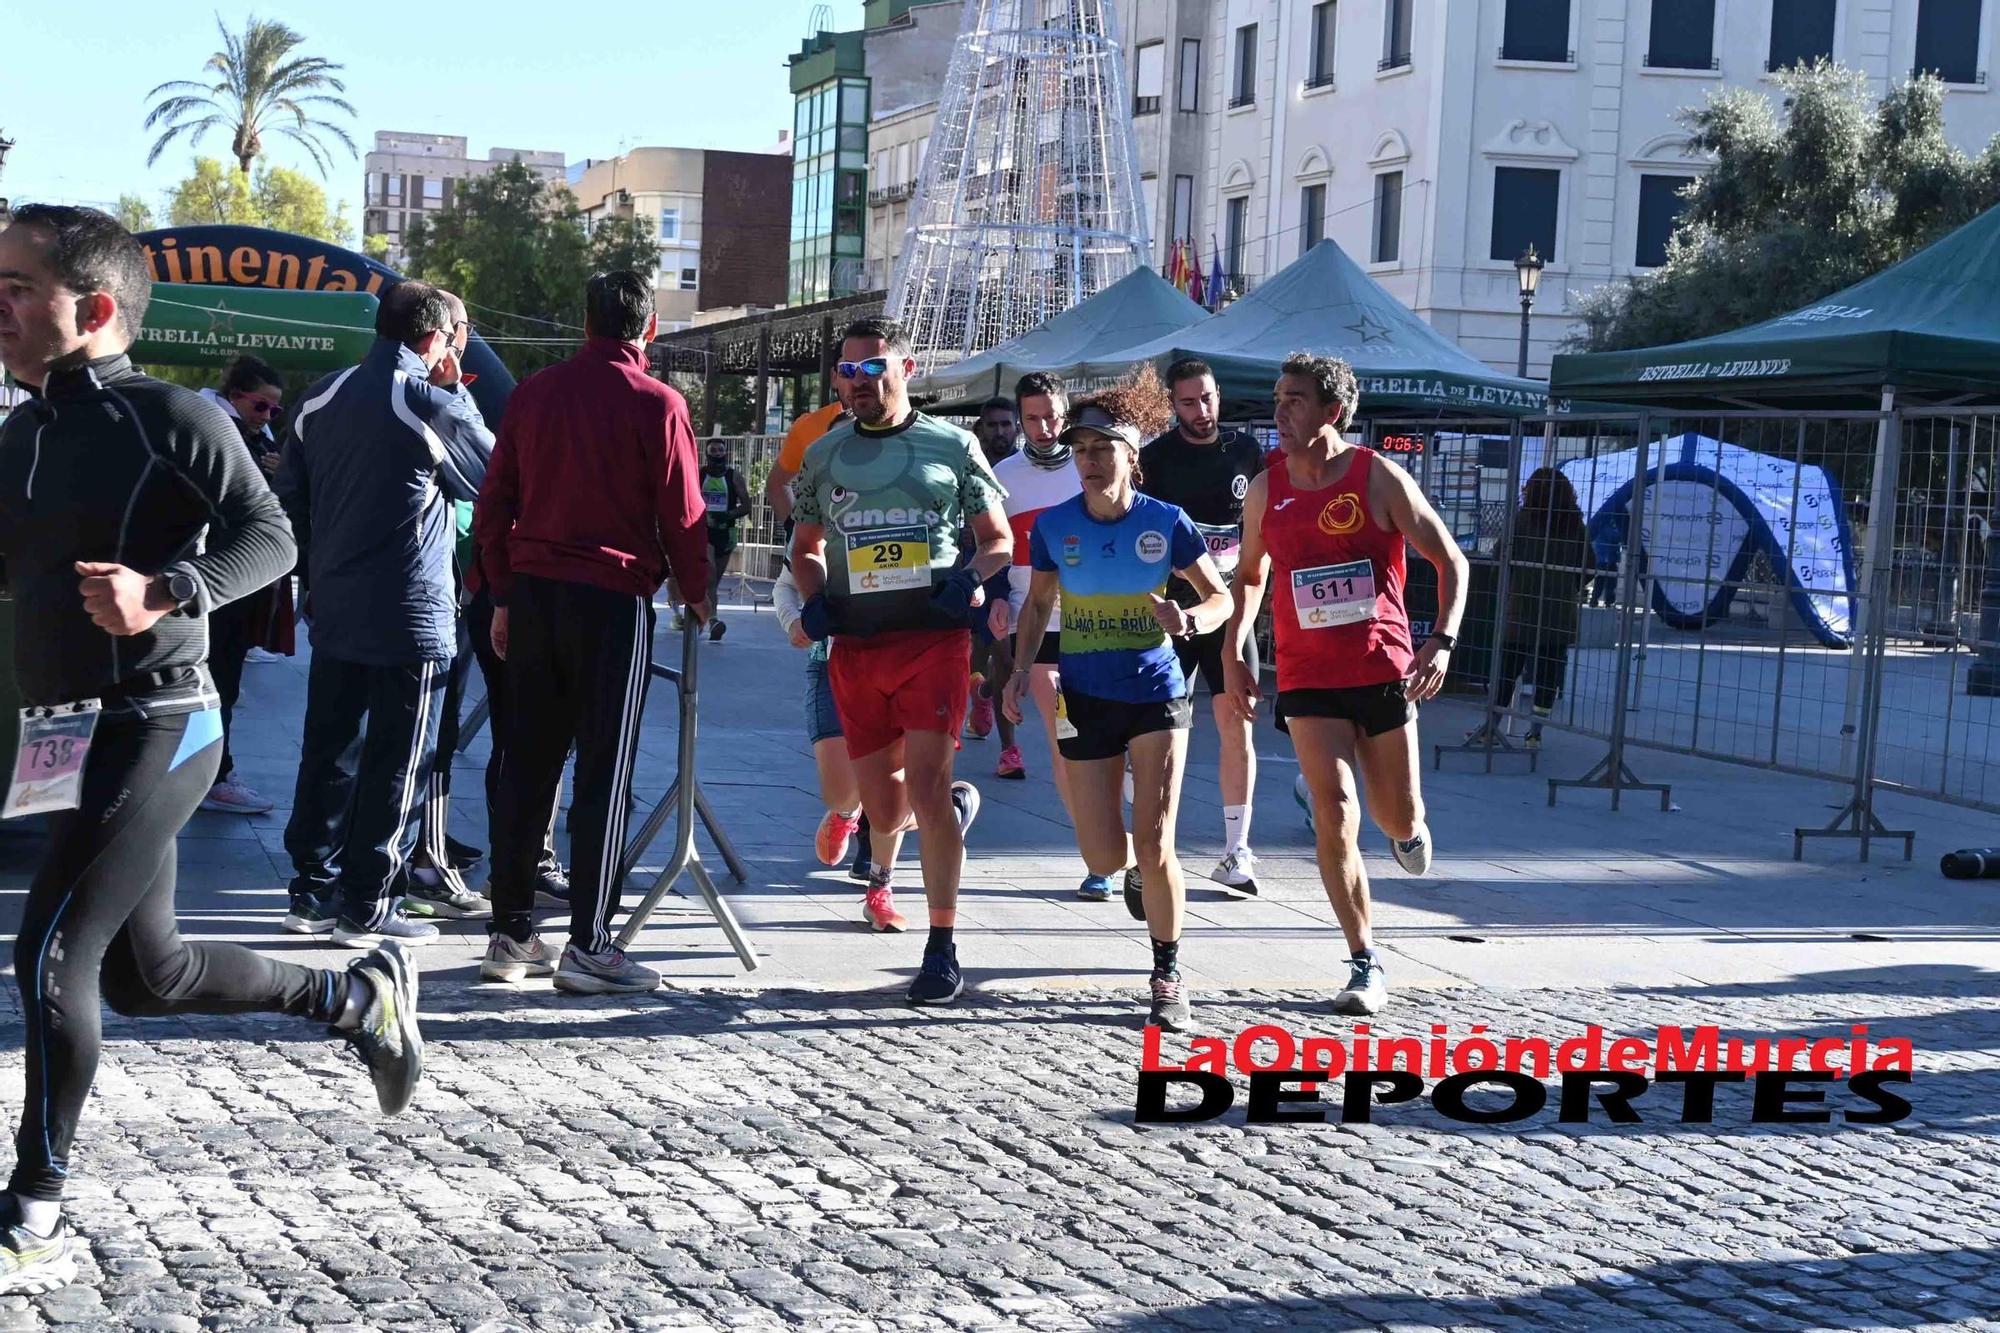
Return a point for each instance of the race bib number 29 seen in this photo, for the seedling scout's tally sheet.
(1330, 595)
(888, 559)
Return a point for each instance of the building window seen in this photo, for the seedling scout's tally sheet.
(1801, 32)
(392, 189)
(670, 224)
(1396, 20)
(1149, 200)
(1683, 35)
(690, 279)
(1388, 240)
(1183, 219)
(1245, 89)
(1660, 206)
(1149, 79)
(1536, 30)
(1312, 216)
(1948, 39)
(1190, 89)
(1524, 212)
(433, 192)
(1235, 234)
(1320, 74)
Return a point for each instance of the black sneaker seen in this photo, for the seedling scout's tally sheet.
(1135, 898)
(863, 868)
(716, 629)
(388, 1041)
(552, 887)
(446, 901)
(1170, 1004)
(397, 927)
(940, 981)
(462, 855)
(311, 914)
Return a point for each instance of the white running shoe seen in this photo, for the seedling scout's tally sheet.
(231, 797)
(1367, 988)
(1237, 871)
(260, 655)
(1413, 854)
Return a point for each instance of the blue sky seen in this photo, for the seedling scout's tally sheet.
(582, 78)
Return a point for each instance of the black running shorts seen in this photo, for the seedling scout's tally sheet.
(1105, 727)
(1374, 710)
(1203, 653)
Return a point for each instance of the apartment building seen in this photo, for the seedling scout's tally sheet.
(408, 175)
(1436, 139)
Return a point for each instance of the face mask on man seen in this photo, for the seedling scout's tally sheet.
(716, 463)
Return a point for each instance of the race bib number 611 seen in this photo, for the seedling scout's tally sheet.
(1330, 595)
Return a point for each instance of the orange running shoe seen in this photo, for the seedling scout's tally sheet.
(836, 832)
(879, 907)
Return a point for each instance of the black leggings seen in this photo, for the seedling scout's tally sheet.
(1547, 664)
(99, 924)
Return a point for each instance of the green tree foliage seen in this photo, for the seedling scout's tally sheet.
(135, 214)
(275, 197)
(1799, 204)
(259, 85)
(515, 250)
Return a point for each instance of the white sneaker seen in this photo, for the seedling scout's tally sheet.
(1414, 855)
(260, 655)
(508, 960)
(1304, 796)
(607, 973)
(1237, 871)
(231, 797)
(1367, 989)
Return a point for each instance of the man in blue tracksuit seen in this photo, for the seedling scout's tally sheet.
(373, 459)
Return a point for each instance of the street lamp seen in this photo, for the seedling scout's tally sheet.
(5, 144)
(1528, 268)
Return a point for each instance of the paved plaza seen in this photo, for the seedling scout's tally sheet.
(795, 1148)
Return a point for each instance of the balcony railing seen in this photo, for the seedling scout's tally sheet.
(1145, 106)
(1394, 60)
(1242, 99)
(1955, 76)
(1323, 79)
(891, 194)
(1539, 57)
(1651, 61)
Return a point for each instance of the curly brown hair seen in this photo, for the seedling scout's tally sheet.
(1139, 398)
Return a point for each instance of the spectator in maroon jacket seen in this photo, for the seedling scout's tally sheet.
(593, 497)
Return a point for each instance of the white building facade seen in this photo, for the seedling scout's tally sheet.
(1435, 140)
(408, 175)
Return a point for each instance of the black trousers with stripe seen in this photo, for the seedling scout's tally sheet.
(363, 776)
(577, 660)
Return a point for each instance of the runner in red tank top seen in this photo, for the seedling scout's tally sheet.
(1327, 527)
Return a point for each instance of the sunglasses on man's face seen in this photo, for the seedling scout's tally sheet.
(875, 367)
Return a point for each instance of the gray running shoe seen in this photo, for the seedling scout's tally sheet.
(388, 1041)
(607, 973)
(446, 902)
(1367, 988)
(1170, 1005)
(508, 959)
(1413, 854)
(399, 926)
(32, 1264)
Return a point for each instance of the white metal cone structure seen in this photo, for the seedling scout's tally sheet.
(1028, 202)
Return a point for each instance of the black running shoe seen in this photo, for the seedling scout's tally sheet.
(388, 1041)
(461, 855)
(1135, 899)
(716, 629)
(940, 981)
(552, 887)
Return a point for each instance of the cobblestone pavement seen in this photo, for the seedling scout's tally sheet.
(784, 1159)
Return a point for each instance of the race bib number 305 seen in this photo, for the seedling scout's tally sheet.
(1225, 545)
(1330, 595)
(48, 767)
(888, 559)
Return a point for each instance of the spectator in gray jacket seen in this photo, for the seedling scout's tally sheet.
(373, 459)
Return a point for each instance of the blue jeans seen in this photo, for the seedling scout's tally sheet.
(822, 718)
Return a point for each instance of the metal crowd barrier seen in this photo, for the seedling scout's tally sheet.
(684, 799)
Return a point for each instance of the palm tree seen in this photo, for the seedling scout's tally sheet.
(259, 86)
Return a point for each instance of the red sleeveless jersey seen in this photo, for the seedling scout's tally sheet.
(1336, 585)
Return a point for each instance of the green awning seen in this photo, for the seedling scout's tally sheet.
(1324, 304)
(197, 325)
(1927, 324)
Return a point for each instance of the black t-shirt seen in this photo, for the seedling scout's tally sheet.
(1209, 481)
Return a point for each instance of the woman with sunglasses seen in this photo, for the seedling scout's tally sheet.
(1107, 554)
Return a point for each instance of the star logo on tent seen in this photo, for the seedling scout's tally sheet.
(222, 320)
(1370, 329)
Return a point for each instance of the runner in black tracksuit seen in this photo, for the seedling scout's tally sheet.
(129, 510)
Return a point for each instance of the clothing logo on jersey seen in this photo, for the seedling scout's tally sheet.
(1072, 550)
(1109, 551)
(838, 494)
(1151, 546)
(1239, 486)
(1281, 504)
(1341, 516)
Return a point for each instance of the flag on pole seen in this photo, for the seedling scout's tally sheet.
(1177, 267)
(1216, 282)
(1197, 289)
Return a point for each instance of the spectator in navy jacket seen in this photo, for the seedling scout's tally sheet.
(593, 498)
(373, 459)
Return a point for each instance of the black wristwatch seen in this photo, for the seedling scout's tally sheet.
(1449, 642)
(181, 587)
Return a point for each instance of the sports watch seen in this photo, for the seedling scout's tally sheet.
(1448, 642)
(181, 586)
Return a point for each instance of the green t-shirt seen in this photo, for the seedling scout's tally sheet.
(893, 503)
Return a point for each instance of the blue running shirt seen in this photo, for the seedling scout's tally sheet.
(1112, 648)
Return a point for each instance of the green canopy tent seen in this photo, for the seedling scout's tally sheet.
(1323, 303)
(1138, 308)
(198, 325)
(1927, 326)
